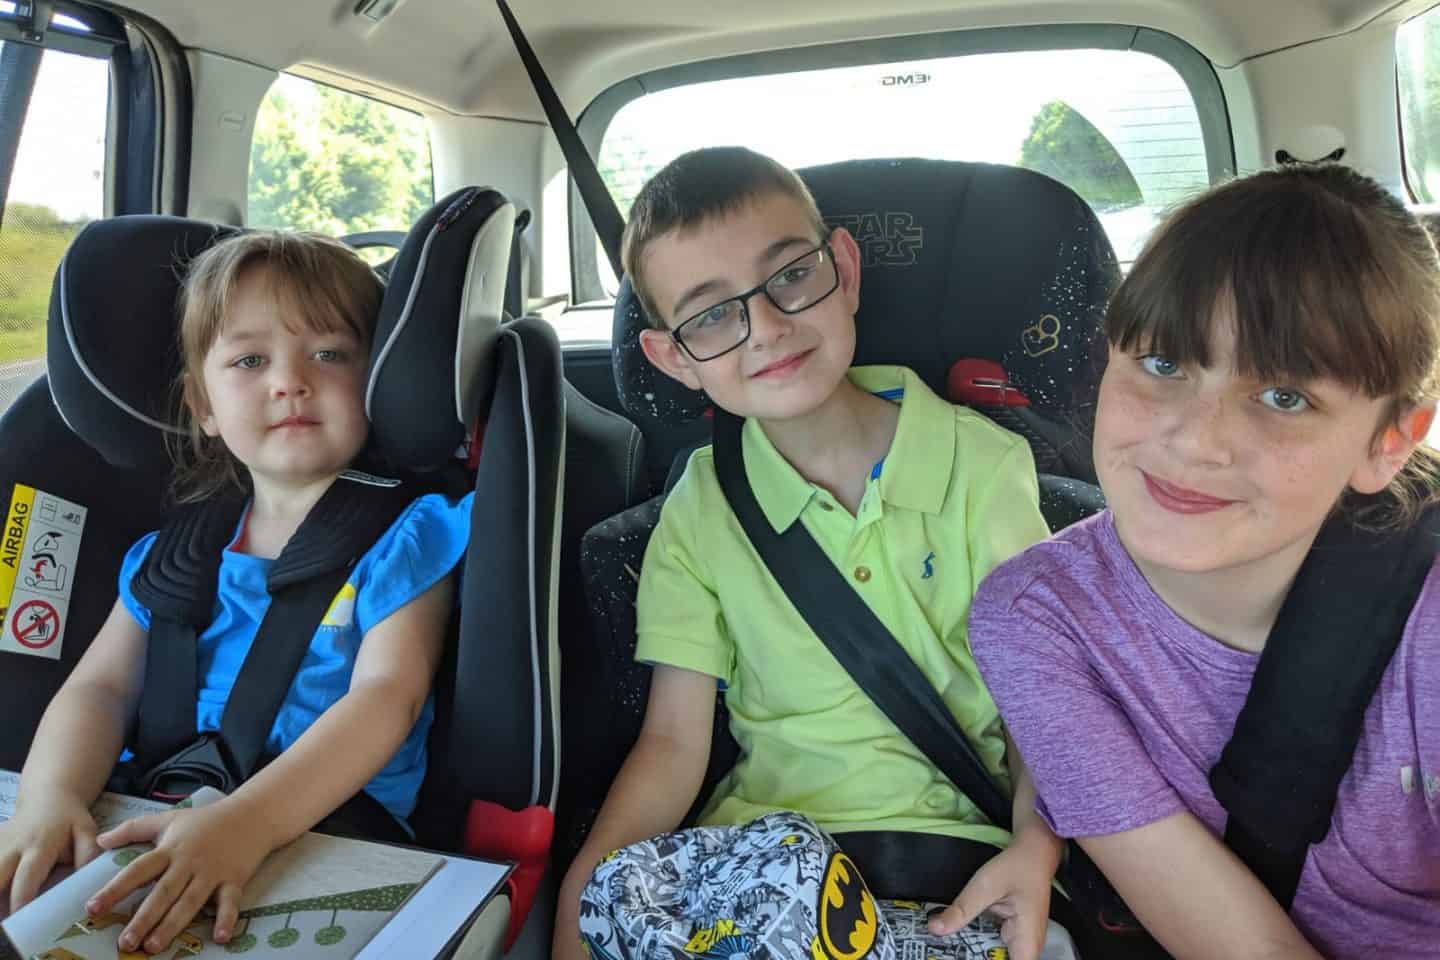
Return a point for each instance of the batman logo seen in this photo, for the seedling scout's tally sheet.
(848, 920)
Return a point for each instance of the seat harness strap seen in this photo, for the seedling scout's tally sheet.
(178, 584)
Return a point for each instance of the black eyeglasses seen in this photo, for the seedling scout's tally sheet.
(797, 286)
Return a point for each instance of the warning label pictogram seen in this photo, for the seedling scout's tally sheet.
(35, 624)
(39, 550)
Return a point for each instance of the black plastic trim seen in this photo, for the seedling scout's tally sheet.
(107, 30)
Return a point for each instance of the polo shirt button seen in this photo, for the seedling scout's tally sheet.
(939, 798)
(862, 574)
(826, 505)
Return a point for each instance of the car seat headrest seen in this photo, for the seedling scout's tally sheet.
(113, 352)
(430, 370)
(958, 260)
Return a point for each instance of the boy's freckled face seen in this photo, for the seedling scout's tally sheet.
(792, 363)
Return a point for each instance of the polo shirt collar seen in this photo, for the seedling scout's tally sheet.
(918, 466)
(921, 460)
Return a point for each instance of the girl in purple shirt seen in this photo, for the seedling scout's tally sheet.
(1273, 348)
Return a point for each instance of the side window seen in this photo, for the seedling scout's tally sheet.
(56, 186)
(1120, 127)
(335, 162)
(1417, 61)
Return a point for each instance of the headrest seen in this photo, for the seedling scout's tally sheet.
(113, 356)
(959, 260)
(429, 368)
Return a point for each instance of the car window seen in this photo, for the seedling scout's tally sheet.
(58, 185)
(335, 162)
(1417, 62)
(1119, 127)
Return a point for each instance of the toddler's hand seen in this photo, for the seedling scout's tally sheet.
(210, 851)
(57, 830)
(1014, 886)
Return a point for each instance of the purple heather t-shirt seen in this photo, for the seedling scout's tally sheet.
(1121, 708)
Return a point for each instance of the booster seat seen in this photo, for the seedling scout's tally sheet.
(86, 445)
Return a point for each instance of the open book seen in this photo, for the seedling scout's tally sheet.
(318, 898)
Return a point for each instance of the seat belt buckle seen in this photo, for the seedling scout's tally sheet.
(523, 836)
(983, 383)
(201, 763)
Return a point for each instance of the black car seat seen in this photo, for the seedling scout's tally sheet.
(86, 446)
(604, 475)
(990, 282)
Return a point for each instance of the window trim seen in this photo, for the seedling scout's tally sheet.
(1405, 168)
(332, 81)
(107, 30)
(1195, 71)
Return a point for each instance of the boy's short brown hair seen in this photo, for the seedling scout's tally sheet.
(695, 187)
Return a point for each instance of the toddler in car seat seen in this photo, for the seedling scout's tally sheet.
(752, 299)
(275, 334)
(1272, 368)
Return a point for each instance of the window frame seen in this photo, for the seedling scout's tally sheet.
(1195, 71)
(1406, 170)
(147, 73)
(142, 67)
(331, 83)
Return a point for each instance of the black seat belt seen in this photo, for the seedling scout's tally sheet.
(1295, 736)
(178, 584)
(863, 645)
(609, 224)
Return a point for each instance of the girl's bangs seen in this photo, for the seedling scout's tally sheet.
(1305, 291)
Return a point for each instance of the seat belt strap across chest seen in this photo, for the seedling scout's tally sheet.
(852, 633)
(1296, 735)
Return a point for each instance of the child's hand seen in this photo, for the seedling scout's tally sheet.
(1014, 886)
(57, 830)
(211, 851)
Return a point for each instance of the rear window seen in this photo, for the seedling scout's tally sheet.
(1119, 127)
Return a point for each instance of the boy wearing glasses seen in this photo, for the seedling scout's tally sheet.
(752, 299)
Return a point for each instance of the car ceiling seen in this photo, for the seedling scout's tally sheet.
(455, 56)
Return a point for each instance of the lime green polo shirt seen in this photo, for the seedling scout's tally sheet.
(954, 497)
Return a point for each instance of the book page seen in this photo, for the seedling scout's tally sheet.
(110, 810)
(319, 898)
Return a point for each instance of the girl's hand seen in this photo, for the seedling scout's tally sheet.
(210, 851)
(1015, 886)
(58, 830)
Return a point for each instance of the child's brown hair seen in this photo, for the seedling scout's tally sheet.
(694, 187)
(317, 279)
(1326, 274)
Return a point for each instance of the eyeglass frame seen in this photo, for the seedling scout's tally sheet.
(744, 299)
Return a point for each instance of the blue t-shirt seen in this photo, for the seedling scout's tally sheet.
(420, 548)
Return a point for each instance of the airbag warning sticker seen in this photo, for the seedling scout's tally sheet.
(39, 546)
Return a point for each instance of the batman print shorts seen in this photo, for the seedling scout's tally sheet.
(775, 889)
